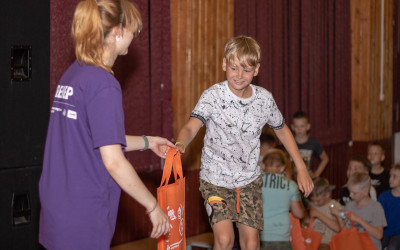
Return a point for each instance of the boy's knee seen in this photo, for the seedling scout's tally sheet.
(250, 244)
(224, 241)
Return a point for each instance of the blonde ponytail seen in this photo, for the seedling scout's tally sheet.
(94, 20)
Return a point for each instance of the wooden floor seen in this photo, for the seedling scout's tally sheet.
(205, 241)
(143, 244)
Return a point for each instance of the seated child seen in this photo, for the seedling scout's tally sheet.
(390, 200)
(279, 196)
(357, 163)
(367, 214)
(325, 223)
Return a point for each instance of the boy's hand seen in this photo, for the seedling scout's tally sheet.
(334, 210)
(304, 181)
(180, 146)
(312, 174)
(355, 218)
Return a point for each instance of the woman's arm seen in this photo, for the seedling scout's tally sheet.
(126, 177)
(157, 144)
(303, 178)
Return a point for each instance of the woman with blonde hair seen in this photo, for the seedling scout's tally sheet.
(84, 167)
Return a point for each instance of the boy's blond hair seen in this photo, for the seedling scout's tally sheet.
(245, 49)
(361, 179)
(396, 167)
(275, 157)
(94, 20)
(321, 186)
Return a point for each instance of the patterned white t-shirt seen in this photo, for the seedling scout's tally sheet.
(232, 141)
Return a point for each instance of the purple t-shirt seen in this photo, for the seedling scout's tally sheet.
(79, 198)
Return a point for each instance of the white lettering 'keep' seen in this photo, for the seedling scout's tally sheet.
(64, 92)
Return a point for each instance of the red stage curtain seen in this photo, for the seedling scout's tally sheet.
(306, 59)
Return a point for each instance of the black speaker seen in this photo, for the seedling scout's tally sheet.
(19, 209)
(24, 81)
(24, 114)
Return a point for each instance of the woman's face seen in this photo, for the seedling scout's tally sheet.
(123, 40)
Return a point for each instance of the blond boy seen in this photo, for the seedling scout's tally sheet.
(367, 214)
(357, 163)
(234, 112)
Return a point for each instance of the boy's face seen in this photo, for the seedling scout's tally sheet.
(320, 199)
(375, 155)
(239, 78)
(354, 166)
(357, 193)
(300, 126)
(394, 180)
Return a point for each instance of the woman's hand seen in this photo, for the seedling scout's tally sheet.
(160, 223)
(160, 145)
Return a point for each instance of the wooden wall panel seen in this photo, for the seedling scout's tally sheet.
(371, 111)
(199, 30)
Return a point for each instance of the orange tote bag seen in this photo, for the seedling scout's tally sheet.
(171, 198)
(351, 239)
(296, 238)
(312, 239)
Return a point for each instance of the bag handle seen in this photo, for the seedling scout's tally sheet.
(172, 162)
(347, 219)
(311, 222)
(167, 167)
(177, 166)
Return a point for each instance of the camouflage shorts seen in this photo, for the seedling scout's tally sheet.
(223, 204)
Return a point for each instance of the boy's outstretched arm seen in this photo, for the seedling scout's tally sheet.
(158, 145)
(187, 133)
(303, 178)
